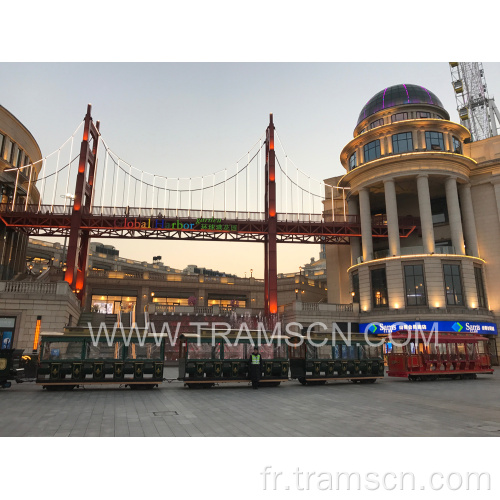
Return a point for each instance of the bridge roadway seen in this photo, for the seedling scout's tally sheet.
(127, 222)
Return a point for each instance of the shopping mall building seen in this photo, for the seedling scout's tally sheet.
(407, 160)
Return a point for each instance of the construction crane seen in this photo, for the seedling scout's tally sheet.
(477, 111)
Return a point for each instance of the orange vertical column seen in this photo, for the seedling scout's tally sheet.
(272, 262)
(76, 259)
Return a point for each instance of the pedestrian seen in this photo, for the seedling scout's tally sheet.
(255, 368)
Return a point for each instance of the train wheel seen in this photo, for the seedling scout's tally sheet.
(412, 378)
(302, 380)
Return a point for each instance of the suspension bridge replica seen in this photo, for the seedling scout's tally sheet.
(240, 203)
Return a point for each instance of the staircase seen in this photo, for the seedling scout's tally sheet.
(95, 319)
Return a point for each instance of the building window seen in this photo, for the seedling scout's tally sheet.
(379, 288)
(372, 150)
(457, 146)
(7, 149)
(453, 285)
(12, 154)
(401, 143)
(2, 140)
(398, 117)
(352, 161)
(377, 123)
(481, 295)
(19, 161)
(434, 141)
(415, 286)
(423, 114)
(439, 209)
(355, 287)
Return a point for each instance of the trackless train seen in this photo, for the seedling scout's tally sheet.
(76, 358)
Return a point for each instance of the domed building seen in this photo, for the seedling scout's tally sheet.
(428, 201)
(18, 148)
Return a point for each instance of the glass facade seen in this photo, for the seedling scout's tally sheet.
(379, 288)
(377, 123)
(434, 141)
(453, 285)
(353, 161)
(439, 209)
(457, 146)
(355, 287)
(372, 150)
(402, 143)
(415, 285)
(423, 114)
(481, 295)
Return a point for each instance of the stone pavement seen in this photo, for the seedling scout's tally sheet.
(391, 407)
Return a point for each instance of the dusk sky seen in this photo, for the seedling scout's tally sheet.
(192, 119)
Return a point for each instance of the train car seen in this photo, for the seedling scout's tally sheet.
(73, 358)
(206, 360)
(421, 356)
(314, 364)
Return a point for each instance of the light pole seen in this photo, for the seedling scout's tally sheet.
(71, 198)
(251, 273)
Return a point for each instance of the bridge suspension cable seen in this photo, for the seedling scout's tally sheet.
(120, 188)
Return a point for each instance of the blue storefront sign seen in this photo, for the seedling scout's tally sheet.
(6, 340)
(384, 328)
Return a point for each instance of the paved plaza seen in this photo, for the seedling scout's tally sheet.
(391, 407)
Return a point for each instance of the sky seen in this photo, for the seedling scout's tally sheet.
(191, 119)
(187, 107)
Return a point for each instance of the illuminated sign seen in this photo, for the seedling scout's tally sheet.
(176, 225)
(383, 328)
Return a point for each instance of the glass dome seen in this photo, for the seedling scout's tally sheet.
(398, 95)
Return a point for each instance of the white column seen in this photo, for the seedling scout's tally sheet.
(457, 235)
(447, 141)
(361, 156)
(424, 205)
(389, 145)
(355, 243)
(391, 209)
(366, 224)
(383, 149)
(469, 221)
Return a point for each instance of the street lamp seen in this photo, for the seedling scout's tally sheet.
(71, 198)
(251, 273)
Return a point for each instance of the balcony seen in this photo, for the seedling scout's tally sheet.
(154, 308)
(408, 251)
(171, 277)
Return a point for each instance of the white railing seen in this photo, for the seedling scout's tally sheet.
(28, 287)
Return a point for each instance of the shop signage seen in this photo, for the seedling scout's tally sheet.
(176, 225)
(384, 328)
